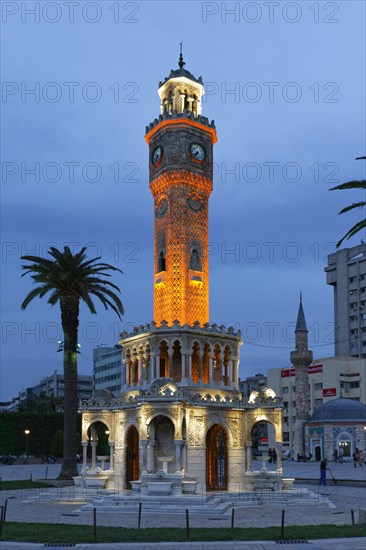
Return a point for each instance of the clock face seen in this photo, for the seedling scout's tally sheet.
(157, 155)
(197, 151)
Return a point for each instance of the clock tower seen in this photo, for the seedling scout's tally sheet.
(180, 166)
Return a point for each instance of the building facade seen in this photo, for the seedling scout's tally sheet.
(329, 378)
(53, 386)
(346, 272)
(107, 368)
(181, 418)
(251, 383)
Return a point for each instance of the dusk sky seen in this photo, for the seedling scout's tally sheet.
(285, 84)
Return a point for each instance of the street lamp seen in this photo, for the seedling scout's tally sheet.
(26, 432)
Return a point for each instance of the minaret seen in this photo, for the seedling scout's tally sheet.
(301, 358)
(181, 168)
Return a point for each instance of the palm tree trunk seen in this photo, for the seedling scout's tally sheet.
(69, 304)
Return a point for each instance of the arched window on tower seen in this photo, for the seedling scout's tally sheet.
(195, 261)
(161, 262)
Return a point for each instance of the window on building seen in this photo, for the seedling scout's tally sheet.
(352, 279)
(285, 419)
(352, 292)
(353, 306)
(354, 385)
(285, 389)
(286, 436)
(354, 318)
(318, 402)
(319, 386)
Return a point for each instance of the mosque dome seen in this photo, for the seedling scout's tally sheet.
(341, 409)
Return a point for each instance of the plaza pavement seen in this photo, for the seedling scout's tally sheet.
(331, 504)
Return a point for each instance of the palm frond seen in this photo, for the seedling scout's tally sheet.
(354, 184)
(360, 204)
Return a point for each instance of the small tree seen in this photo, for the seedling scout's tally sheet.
(57, 445)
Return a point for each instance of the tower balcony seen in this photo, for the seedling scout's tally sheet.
(160, 279)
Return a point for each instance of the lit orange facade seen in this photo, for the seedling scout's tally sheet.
(181, 162)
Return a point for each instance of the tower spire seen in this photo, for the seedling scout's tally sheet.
(181, 63)
(301, 323)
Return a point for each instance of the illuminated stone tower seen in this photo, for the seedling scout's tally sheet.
(180, 424)
(301, 358)
(181, 143)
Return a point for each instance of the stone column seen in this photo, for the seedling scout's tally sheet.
(144, 443)
(231, 372)
(169, 367)
(125, 368)
(139, 369)
(183, 368)
(184, 456)
(155, 366)
(190, 367)
(248, 452)
(199, 366)
(94, 453)
(111, 455)
(150, 456)
(182, 102)
(84, 444)
(151, 368)
(210, 368)
(178, 455)
(279, 456)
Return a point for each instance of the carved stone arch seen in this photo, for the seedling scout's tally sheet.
(217, 458)
(132, 422)
(132, 444)
(155, 414)
(258, 421)
(219, 421)
(86, 424)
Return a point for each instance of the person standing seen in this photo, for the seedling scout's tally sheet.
(335, 455)
(341, 454)
(274, 456)
(323, 472)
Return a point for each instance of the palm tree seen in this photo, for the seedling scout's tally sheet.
(355, 184)
(70, 278)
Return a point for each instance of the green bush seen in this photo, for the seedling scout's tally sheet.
(57, 445)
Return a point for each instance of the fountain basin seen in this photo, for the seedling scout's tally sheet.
(160, 488)
(136, 486)
(189, 487)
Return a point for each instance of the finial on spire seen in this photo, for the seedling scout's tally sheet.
(181, 62)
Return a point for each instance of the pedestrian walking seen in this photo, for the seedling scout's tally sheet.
(270, 455)
(323, 472)
(274, 456)
(335, 455)
(357, 458)
(341, 454)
